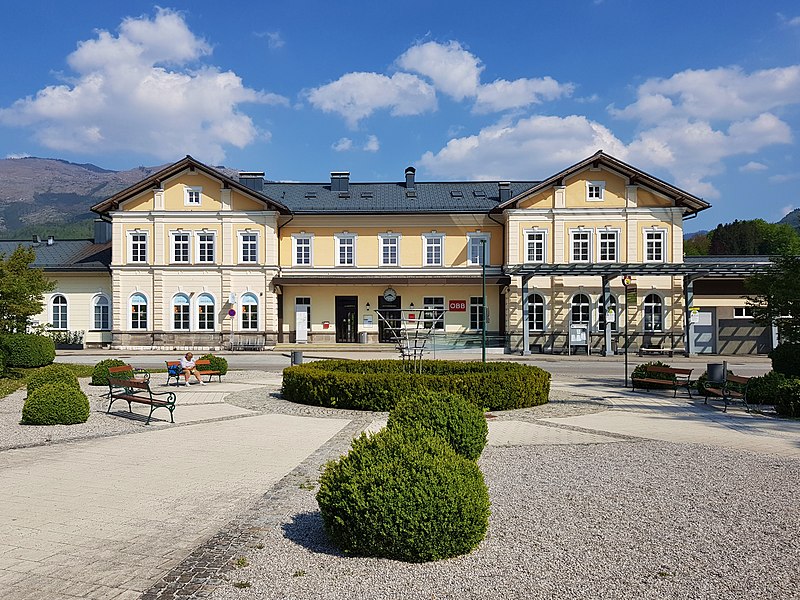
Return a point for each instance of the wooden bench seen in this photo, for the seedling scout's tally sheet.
(643, 350)
(138, 374)
(679, 378)
(200, 364)
(728, 393)
(134, 390)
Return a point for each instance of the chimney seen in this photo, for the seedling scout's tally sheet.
(102, 231)
(340, 181)
(410, 183)
(252, 179)
(36, 239)
(505, 190)
(50, 240)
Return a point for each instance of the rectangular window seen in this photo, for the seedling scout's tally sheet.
(433, 250)
(535, 244)
(346, 250)
(248, 247)
(476, 249)
(476, 312)
(595, 190)
(102, 318)
(250, 317)
(138, 247)
(192, 196)
(139, 316)
(205, 316)
(302, 253)
(205, 247)
(581, 246)
(180, 316)
(742, 312)
(180, 247)
(433, 312)
(608, 246)
(654, 246)
(303, 301)
(389, 250)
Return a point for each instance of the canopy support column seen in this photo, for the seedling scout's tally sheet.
(526, 333)
(608, 349)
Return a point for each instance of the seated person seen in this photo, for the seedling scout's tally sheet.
(189, 368)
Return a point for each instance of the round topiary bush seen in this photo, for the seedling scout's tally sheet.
(404, 495)
(100, 373)
(447, 415)
(55, 404)
(28, 350)
(217, 363)
(765, 389)
(786, 359)
(54, 373)
(378, 384)
(788, 401)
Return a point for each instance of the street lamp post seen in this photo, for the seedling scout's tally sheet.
(483, 306)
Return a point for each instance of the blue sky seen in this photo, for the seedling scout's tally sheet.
(704, 94)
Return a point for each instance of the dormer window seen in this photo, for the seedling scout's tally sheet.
(191, 196)
(595, 191)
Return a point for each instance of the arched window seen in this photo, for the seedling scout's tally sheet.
(653, 313)
(59, 312)
(138, 311)
(581, 309)
(205, 312)
(535, 312)
(180, 312)
(101, 308)
(249, 312)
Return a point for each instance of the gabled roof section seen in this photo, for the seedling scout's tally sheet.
(65, 255)
(155, 180)
(690, 203)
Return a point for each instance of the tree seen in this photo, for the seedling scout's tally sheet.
(752, 237)
(776, 297)
(22, 288)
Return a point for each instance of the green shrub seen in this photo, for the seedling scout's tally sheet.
(28, 350)
(54, 373)
(3, 361)
(100, 373)
(378, 384)
(765, 389)
(640, 372)
(406, 496)
(786, 359)
(55, 404)
(700, 384)
(788, 401)
(447, 415)
(217, 363)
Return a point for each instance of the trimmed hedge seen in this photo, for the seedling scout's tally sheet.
(448, 415)
(405, 496)
(217, 363)
(788, 401)
(54, 373)
(765, 389)
(27, 350)
(55, 404)
(377, 384)
(100, 373)
(786, 359)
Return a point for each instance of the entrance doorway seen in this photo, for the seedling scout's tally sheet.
(392, 313)
(346, 314)
(705, 332)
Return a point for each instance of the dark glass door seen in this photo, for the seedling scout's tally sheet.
(391, 312)
(346, 314)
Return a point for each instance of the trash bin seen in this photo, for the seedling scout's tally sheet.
(362, 337)
(716, 372)
(297, 357)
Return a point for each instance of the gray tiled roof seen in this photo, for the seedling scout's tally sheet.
(65, 255)
(431, 197)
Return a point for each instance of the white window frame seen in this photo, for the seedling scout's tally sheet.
(531, 327)
(95, 299)
(241, 246)
(383, 238)
(65, 304)
(197, 306)
(338, 238)
(589, 245)
(173, 244)
(742, 312)
(188, 306)
(530, 233)
(242, 304)
(304, 301)
(429, 237)
(198, 241)
(303, 236)
(595, 184)
(663, 234)
(148, 314)
(663, 316)
(189, 192)
(615, 321)
(606, 231)
(588, 322)
(429, 312)
(481, 316)
(476, 238)
(138, 232)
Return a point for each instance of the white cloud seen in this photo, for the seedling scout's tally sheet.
(753, 167)
(453, 70)
(18, 155)
(372, 144)
(787, 209)
(343, 144)
(355, 96)
(527, 148)
(794, 22)
(502, 95)
(143, 90)
(275, 40)
(784, 178)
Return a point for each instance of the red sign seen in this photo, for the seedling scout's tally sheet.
(457, 305)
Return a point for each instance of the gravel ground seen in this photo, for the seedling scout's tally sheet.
(623, 520)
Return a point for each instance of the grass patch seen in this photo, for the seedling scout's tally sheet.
(241, 584)
(242, 562)
(17, 378)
